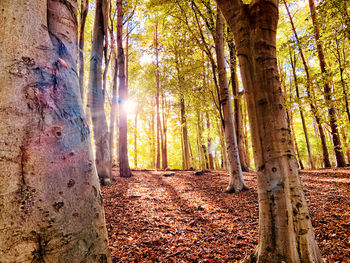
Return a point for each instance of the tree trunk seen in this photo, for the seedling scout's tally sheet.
(153, 139)
(285, 230)
(210, 152)
(186, 151)
(100, 128)
(313, 106)
(301, 165)
(308, 146)
(200, 140)
(159, 125)
(237, 103)
(135, 138)
(113, 108)
(84, 6)
(48, 177)
(327, 90)
(223, 144)
(124, 168)
(236, 183)
(164, 148)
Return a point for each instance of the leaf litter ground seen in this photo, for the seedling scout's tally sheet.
(178, 216)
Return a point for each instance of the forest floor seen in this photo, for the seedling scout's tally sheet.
(177, 216)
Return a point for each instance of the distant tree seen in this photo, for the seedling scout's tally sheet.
(50, 201)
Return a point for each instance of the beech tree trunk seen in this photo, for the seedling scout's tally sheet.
(153, 139)
(327, 91)
(236, 183)
(159, 125)
(124, 168)
(313, 106)
(164, 131)
(84, 9)
(100, 128)
(308, 145)
(237, 103)
(200, 140)
(135, 138)
(285, 230)
(210, 152)
(186, 150)
(113, 107)
(48, 175)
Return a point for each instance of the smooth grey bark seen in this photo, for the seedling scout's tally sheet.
(48, 176)
(236, 183)
(96, 101)
(237, 103)
(285, 230)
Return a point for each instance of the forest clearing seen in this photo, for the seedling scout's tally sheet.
(178, 216)
(174, 131)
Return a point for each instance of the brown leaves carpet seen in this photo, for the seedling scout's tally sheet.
(177, 216)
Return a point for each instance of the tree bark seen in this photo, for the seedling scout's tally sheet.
(135, 138)
(100, 128)
(237, 103)
(313, 106)
(165, 128)
(236, 183)
(113, 107)
(200, 140)
(210, 152)
(308, 146)
(159, 125)
(153, 139)
(285, 230)
(124, 169)
(186, 151)
(48, 177)
(84, 9)
(327, 90)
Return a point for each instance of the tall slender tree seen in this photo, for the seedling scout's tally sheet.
(96, 94)
(285, 230)
(84, 9)
(327, 90)
(124, 168)
(48, 176)
(236, 183)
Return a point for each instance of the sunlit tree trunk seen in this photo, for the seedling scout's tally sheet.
(48, 175)
(236, 183)
(153, 138)
(186, 150)
(84, 8)
(165, 128)
(285, 230)
(159, 125)
(135, 137)
(313, 105)
(124, 168)
(327, 90)
(237, 103)
(301, 165)
(113, 107)
(223, 145)
(210, 152)
(200, 140)
(308, 145)
(100, 128)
